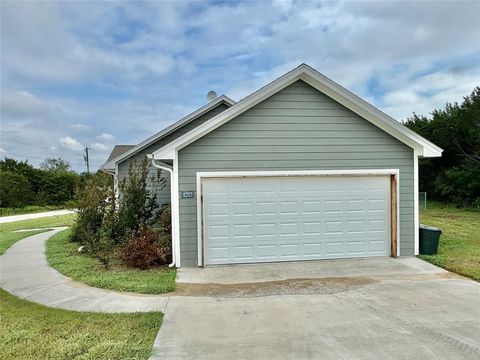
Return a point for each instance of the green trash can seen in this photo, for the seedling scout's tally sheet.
(429, 239)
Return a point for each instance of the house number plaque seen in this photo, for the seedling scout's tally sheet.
(187, 194)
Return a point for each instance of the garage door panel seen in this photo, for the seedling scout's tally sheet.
(312, 250)
(295, 218)
(219, 254)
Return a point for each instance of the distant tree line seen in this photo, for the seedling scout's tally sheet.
(21, 184)
(455, 177)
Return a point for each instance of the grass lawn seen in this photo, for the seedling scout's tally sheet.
(63, 256)
(8, 237)
(31, 331)
(27, 210)
(459, 249)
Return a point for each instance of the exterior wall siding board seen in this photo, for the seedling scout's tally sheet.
(278, 125)
(163, 196)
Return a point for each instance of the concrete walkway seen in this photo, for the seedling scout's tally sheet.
(375, 267)
(8, 219)
(395, 309)
(24, 272)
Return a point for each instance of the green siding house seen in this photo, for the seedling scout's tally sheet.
(301, 169)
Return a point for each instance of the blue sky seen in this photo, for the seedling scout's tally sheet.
(78, 73)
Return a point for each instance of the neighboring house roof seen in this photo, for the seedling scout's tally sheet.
(422, 146)
(119, 150)
(110, 163)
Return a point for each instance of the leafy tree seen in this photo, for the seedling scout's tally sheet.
(57, 165)
(456, 129)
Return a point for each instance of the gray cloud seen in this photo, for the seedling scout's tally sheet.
(127, 69)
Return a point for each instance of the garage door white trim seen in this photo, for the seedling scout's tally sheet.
(239, 174)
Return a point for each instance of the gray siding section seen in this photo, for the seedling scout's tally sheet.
(298, 128)
(163, 196)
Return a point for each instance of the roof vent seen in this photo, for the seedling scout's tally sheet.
(212, 95)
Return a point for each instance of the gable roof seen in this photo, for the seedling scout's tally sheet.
(118, 150)
(110, 163)
(328, 87)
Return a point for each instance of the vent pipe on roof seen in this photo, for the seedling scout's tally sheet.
(212, 95)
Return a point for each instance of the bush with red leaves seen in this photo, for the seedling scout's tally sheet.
(145, 248)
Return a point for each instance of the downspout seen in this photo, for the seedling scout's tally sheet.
(170, 170)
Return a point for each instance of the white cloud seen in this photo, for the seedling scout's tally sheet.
(135, 68)
(105, 137)
(99, 146)
(81, 127)
(2, 150)
(71, 144)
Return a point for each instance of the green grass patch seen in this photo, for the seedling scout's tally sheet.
(63, 256)
(32, 209)
(459, 249)
(32, 331)
(8, 236)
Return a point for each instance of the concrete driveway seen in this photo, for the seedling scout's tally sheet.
(371, 309)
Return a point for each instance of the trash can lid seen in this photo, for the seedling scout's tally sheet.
(429, 227)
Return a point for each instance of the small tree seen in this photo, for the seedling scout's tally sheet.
(95, 224)
(57, 165)
(138, 199)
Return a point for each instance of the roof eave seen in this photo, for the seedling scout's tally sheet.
(168, 130)
(305, 73)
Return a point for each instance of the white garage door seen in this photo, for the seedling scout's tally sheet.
(266, 219)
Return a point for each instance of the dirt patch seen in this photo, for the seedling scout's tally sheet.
(330, 285)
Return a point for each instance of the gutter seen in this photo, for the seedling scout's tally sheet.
(108, 171)
(170, 170)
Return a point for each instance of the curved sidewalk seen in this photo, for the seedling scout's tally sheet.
(24, 272)
(13, 218)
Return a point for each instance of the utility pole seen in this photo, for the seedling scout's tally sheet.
(85, 157)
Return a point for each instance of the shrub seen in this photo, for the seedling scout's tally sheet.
(460, 184)
(145, 248)
(15, 191)
(31, 186)
(166, 219)
(95, 224)
(137, 204)
(56, 187)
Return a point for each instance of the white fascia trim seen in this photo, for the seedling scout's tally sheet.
(287, 173)
(240, 107)
(323, 84)
(416, 211)
(397, 178)
(169, 129)
(176, 211)
(368, 111)
(200, 234)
